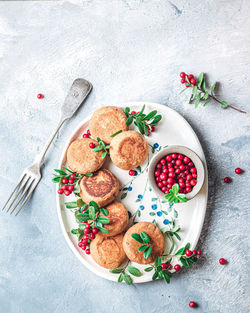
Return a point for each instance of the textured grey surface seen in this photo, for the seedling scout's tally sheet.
(129, 50)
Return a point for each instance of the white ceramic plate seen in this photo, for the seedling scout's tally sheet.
(172, 130)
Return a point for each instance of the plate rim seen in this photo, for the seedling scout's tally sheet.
(62, 156)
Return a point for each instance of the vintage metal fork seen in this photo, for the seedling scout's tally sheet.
(32, 174)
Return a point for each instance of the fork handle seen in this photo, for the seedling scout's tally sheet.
(39, 159)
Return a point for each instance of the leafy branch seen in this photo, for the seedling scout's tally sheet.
(92, 214)
(174, 195)
(144, 239)
(101, 147)
(125, 276)
(171, 231)
(201, 92)
(144, 122)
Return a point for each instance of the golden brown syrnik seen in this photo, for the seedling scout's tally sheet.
(106, 121)
(128, 150)
(118, 218)
(131, 246)
(81, 158)
(102, 187)
(108, 251)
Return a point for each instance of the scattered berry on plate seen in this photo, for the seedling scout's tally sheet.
(222, 261)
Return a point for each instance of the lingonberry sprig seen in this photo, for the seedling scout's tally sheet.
(174, 196)
(200, 91)
(125, 276)
(101, 147)
(161, 270)
(146, 246)
(68, 181)
(145, 122)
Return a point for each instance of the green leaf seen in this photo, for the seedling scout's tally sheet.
(224, 104)
(150, 115)
(148, 269)
(129, 120)
(180, 251)
(142, 248)
(89, 174)
(156, 119)
(147, 252)
(127, 110)
(140, 125)
(203, 85)
(175, 214)
(104, 154)
(70, 205)
(94, 204)
(197, 100)
(187, 246)
(145, 237)
(103, 230)
(97, 148)
(80, 203)
(142, 110)
(134, 271)
(145, 129)
(137, 237)
(116, 133)
(82, 217)
(175, 188)
(155, 275)
(182, 197)
(138, 169)
(212, 89)
(92, 212)
(104, 211)
(157, 261)
(194, 91)
(127, 279)
(120, 278)
(184, 263)
(56, 179)
(152, 213)
(206, 103)
(154, 199)
(166, 278)
(116, 271)
(74, 231)
(68, 169)
(103, 219)
(206, 95)
(200, 79)
(60, 172)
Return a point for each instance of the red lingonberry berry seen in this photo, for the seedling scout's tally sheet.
(188, 253)
(199, 252)
(64, 187)
(182, 75)
(87, 251)
(190, 76)
(67, 192)
(88, 132)
(71, 181)
(222, 261)
(131, 173)
(152, 129)
(71, 188)
(163, 266)
(192, 304)
(60, 191)
(193, 81)
(91, 145)
(94, 230)
(64, 181)
(40, 96)
(92, 236)
(85, 136)
(183, 81)
(177, 267)
(72, 176)
(238, 170)
(84, 247)
(132, 112)
(227, 180)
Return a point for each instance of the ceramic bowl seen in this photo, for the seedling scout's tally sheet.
(185, 151)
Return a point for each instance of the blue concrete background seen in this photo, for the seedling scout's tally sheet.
(129, 50)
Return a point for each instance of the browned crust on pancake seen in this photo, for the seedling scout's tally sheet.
(128, 150)
(108, 251)
(131, 246)
(82, 159)
(102, 187)
(118, 217)
(106, 121)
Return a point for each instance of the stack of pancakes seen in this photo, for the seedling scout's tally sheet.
(128, 150)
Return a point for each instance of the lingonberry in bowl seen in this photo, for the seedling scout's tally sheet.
(176, 165)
